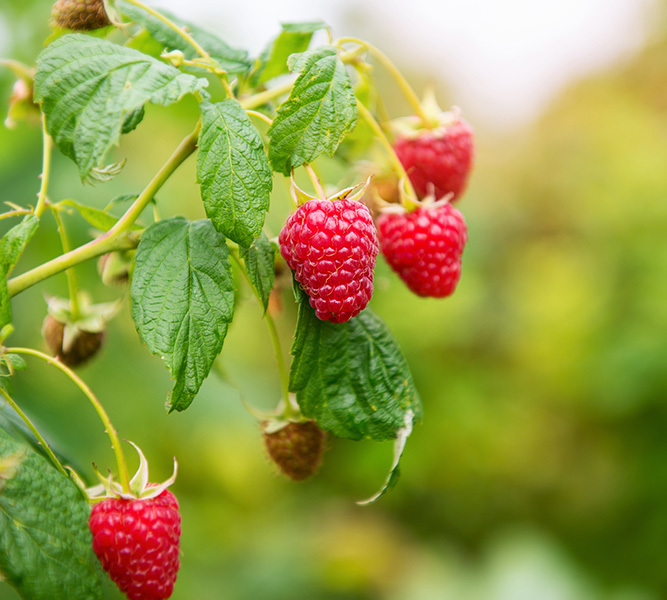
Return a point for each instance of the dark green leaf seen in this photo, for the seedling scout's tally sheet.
(45, 543)
(88, 88)
(230, 59)
(320, 111)
(259, 262)
(13, 243)
(294, 38)
(233, 171)
(183, 299)
(351, 378)
(132, 120)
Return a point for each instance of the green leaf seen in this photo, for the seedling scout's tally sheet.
(294, 38)
(96, 217)
(132, 120)
(259, 261)
(230, 59)
(89, 88)
(320, 111)
(351, 378)
(45, 543)
(233, 171)
(183, 299)
(13, 243)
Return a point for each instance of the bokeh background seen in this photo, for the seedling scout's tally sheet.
(540, 470)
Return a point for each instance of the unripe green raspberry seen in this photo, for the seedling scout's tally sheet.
(80, 15)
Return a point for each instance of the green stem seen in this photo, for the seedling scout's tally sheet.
(33, 429)
(184, 150)
(273, 332)
(69, 273)
(263, 97)
(319, 190)
(402, 82)
(47, 146)
(184, 34)
(396, 163)
(111, 432)
(259, 115)
(119, 237)
(15, 213)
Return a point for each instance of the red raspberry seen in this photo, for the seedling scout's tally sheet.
(331, 246)
(441, 157)
(424, 247)
(137, 544)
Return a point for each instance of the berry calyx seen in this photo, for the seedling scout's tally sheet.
(331, 245)
(295, 447)
(424, 246)
(80, 15)
(76, 338)
(136, 535)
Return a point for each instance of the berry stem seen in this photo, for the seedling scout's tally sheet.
(396, 163)
(402, 82)
(72, 286)
(273, 332)
(15, 213)
(259, 115)
(97, 405)
(46, 170)
(40, 440)
(263, 97)
(119, 237)
(315, 180)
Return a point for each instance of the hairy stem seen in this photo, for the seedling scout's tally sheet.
(46, 170)
(69, 273)
(315, 180)
(111, 432)
(119, 237)
(33, 429)
(273, 332)
(397, 165)
(402, 82)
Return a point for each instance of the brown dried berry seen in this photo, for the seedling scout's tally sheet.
(296, 448)
(80, 15)
(83, 347)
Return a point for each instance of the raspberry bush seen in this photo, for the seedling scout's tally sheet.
(283, 117)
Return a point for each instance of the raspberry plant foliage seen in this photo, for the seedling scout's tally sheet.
(261, 122)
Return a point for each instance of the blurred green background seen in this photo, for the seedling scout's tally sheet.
(540, 470)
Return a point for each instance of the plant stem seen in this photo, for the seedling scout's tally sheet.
(319, 190)
(184, 150)
(15, 213)
(118, 237)
(403, 84)
(97, 405)
(72, 286)
(263, 97)
(259, 115)
(273, 332)
(184, 34)
(33, 429)
(47, 146)
(396, 163)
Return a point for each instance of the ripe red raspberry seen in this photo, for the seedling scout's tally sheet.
(296, 448)
(137, 543)
(424, 247)
(331, 246)
(441, 157)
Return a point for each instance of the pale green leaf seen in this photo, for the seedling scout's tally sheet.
(233, 171)
(13, 243)
(89, 88)
(183, 300)
(320, 111)
(230, 59)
